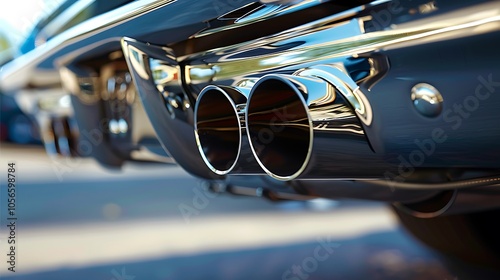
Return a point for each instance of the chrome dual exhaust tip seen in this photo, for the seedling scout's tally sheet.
(290, 127)
(279, 125)
(310, 126)
(220, 131)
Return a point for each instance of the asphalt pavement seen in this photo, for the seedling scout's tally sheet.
(76, 220)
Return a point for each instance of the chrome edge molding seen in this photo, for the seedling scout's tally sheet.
(16, 73)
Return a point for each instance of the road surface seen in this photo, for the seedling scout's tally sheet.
(76, 220)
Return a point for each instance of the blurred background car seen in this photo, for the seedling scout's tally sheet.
(44, 99)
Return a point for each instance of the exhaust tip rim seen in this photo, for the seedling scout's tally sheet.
(199, 145)
(286, 79)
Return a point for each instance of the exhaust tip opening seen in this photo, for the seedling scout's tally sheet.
(217, 130)
(279, 127)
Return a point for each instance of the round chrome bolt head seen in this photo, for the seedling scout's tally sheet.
(427, 100)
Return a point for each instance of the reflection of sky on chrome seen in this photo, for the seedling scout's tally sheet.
(21, 15)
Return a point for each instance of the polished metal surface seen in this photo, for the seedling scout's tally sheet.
(346, 50)
(356, 126)
(174, 127)
(19, 72)
(220, 131)
(217, 128)
(61, 20)
(279, 127)
(328, 111)
(347, 37)
(303, 45)
(337, 76)
(336, 38)
(302, 127)
(265, 12)
(427, 100)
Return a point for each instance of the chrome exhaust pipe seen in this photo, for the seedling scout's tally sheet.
(62, 140)
(297, 125)
(220, 131)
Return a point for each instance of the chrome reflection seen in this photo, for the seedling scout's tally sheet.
(427, 99)
(168, 107)
(22, 71)
(303, 127)
(264, 12)
(278, 123)
(217, 129)
(336, 75)
(306, 44)
(138, 62)
(328, 40)
(325, 138)
(163, 74)
(220, 131)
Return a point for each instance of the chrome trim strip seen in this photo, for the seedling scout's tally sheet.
(174, 126)
(13, 75)
(345, 39)
(452, 24)
(66, 16)
(338, 77)
(274, 11)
